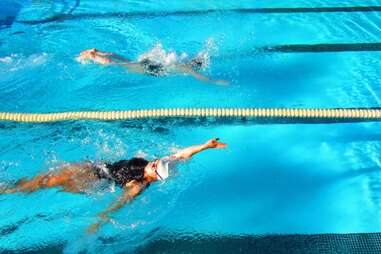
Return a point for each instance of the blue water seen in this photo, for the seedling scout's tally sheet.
(272, 179)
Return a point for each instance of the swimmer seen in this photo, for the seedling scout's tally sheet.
(133, 176)
(147, 65)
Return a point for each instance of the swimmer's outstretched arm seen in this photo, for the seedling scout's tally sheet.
(114, 57)
(130, 191)
(119, 58)
(188, 152)
(105, 53)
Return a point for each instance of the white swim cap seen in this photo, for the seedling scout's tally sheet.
(162, 170)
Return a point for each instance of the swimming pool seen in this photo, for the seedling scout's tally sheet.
(273, 179)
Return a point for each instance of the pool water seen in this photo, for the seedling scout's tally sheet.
(272, 179)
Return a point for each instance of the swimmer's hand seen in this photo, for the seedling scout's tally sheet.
(213, 143)
(94, 227)
(221, 82)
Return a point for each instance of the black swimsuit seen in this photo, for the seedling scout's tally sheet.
(152, 68)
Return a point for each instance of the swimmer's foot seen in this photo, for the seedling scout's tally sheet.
(6, 190)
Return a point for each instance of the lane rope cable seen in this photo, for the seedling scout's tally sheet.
(356, 114)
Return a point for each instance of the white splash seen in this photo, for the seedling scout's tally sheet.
(17, 62)
(141, 154)
(110, 146)
(159, 55)
(6, 60)
(210, 48)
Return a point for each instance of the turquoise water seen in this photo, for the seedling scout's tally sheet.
(273, 178)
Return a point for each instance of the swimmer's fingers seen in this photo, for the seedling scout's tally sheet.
(221, 145)
(213, 143)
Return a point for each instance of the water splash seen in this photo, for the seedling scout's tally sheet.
(16, 62)
(159, 55)
(209, 49)
(110, 146)
(6, 59)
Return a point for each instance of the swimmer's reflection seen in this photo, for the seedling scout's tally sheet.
(133, 175)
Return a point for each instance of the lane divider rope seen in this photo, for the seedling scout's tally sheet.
(365, 114)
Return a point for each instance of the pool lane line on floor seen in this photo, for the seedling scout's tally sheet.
(305, 48)
(323, 115)
(321, 48)
(79, 16)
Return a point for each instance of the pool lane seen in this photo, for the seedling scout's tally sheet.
(126, 15)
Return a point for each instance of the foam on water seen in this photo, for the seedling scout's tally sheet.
(15, 62)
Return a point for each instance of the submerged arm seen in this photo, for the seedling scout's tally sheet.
(132, 189)
(188, 70)
(188, 152)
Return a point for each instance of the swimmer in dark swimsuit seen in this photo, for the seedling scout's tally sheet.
(152, 68)
(147, 66)
(133, 175)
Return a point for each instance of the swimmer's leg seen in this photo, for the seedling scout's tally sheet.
(119, 59)
(72, 188)
(34, 184)
(72, 178)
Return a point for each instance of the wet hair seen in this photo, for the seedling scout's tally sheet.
(124, 171)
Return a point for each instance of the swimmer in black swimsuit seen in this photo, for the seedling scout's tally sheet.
(133, 175)
(152, 68)
(147, 66)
